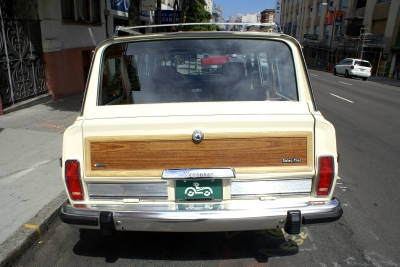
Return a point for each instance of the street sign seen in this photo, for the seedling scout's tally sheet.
(148, 5)
(167, 16)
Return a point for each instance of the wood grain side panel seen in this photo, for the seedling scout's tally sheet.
(152, 156)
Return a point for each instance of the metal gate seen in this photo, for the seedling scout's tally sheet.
(21, 56)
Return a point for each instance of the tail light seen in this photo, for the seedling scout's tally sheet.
(325, 176)
(352, 67)
(72, 179)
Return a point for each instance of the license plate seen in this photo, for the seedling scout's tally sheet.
(198, 189)
(362, 69)
(214, 66)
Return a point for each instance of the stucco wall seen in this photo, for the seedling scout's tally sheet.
(63, 43)
(65, 71)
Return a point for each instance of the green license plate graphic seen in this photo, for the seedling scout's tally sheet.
(198, 189)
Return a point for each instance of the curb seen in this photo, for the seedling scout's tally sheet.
(28, 103)
(28, 234)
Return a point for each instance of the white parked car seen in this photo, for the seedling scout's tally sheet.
(351, 67)
(162, 148)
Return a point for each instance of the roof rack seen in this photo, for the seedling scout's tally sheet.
(134, 30)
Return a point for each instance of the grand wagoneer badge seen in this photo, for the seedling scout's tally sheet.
(293, 160)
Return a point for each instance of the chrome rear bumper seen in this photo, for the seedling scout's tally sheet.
(199, 217)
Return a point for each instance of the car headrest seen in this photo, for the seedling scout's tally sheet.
(233, 70)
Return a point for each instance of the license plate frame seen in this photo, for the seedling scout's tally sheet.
(206, 189)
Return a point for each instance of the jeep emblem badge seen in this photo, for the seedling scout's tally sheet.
(197, 136)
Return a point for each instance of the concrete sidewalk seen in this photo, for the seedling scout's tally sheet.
(384, 80)
(31, 189)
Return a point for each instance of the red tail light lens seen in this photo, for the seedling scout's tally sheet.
(72, 178)
(352, 67)
(325, 176)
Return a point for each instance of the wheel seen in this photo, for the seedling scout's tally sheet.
(346, 74)
(207, 193)
(190, 192)
(334, 71)
(364, 79)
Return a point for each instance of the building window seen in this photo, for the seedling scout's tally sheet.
(310, 8)
(81, 10)
(95, 10)
(308, 30)
(319, 9)
(67, 7)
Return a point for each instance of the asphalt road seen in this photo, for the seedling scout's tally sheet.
(367, 120)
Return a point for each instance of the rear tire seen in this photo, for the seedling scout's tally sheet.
(346, 74)
(364, 79)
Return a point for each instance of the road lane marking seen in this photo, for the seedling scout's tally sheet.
(313, 75)
(346, 83)
(342, 98)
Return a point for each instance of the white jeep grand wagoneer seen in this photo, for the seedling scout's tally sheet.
(161, 145)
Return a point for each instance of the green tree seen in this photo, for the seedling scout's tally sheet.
(195, 12)
(134, 12)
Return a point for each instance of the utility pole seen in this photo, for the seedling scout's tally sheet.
(333, 30)
(159, 11)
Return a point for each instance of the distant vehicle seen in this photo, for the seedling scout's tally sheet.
(213, 64)
(351, 67)
(264, 63)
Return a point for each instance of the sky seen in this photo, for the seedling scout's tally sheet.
(234, 7)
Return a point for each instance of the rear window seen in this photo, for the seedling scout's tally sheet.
(197, 71)
(362, 63)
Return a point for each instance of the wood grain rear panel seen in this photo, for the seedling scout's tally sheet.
(149, 156)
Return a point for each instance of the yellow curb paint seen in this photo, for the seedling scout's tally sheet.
(32, 226)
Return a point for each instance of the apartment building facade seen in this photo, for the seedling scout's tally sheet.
(267, 16)
(46, 46)
(330, 30)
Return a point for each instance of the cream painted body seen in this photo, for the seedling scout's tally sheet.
(230, 119)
